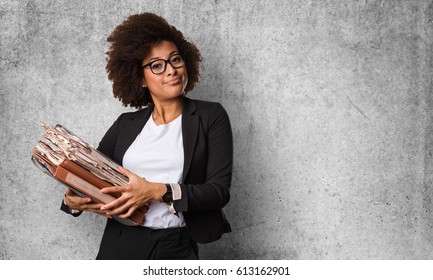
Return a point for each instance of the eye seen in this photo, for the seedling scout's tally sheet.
(157, 65)
(176, 59)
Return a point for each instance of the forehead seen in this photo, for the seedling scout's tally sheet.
(161, 50)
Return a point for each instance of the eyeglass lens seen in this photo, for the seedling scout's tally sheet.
(158, 66)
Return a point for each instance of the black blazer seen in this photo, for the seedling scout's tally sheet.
(208, 162)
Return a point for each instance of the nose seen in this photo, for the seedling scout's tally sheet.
(170, 70)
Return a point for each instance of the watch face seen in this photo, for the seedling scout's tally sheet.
(167, 197)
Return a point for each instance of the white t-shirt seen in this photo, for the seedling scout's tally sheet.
(157, 155)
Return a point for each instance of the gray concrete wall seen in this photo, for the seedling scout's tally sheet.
(330, 102)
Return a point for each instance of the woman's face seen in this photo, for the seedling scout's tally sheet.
(171, 83)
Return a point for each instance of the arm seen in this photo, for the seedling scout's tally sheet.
(214, 193)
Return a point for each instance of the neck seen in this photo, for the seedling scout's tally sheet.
(167, 111)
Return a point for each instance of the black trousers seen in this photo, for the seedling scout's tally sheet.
(121, 242)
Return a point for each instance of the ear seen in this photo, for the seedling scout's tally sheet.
(144, 83)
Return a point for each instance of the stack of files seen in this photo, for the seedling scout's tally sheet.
(65, 157)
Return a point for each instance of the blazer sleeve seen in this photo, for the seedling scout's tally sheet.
(214, 192)
(107, 145)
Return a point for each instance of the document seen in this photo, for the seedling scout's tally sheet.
(64, 156)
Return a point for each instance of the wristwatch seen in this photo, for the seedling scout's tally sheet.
(168, 196)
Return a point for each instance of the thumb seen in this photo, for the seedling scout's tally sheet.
(69, 192)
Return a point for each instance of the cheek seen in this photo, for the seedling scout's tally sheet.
(145, 79)
(185, 80)
(151, 81)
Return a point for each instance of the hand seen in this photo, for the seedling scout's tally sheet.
(74, 201)
(135, 194)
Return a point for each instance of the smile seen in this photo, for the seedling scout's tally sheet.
(173, 82)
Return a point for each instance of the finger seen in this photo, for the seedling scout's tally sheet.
(70, 194)
(73, 201)
(129, 213)
(114, 204)
(102, 213)
(119, 210)
(79, 200)
(91, 206)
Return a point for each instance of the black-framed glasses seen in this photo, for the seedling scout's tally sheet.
(158, 66)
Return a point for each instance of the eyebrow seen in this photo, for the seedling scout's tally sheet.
(156, 58)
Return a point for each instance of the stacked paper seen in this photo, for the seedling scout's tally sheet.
(64, 156)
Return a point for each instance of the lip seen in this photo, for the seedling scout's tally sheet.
(174, 81)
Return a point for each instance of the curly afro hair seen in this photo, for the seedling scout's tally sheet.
(131, 42)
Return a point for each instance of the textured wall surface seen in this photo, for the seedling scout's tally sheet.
(330, 102)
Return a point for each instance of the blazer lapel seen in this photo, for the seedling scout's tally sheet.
(190, 125)
(131, 128)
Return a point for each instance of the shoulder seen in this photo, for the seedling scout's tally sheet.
(206, 108)
(205, 104)
(211, 114)
(127, 116)
(135, 114)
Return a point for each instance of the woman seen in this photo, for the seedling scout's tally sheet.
(177, 152)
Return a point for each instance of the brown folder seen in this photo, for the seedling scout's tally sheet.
(90, 190)
(82, 185)
(85, 183)
(92, 179)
